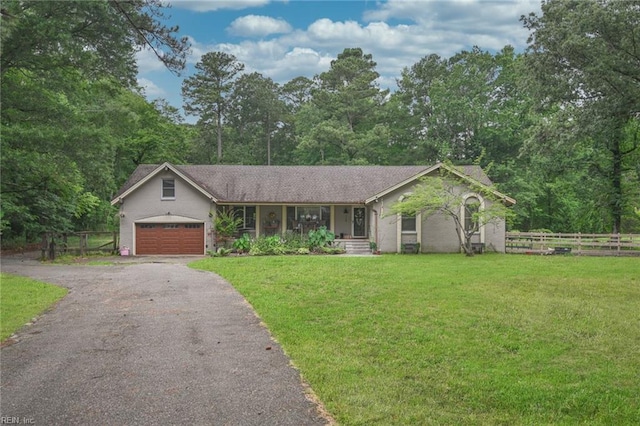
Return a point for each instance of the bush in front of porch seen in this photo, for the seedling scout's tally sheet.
(316, 241)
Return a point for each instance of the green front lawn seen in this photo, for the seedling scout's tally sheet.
(21, 299)
(446, 339)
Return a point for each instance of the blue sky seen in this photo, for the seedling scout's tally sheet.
(285, 39)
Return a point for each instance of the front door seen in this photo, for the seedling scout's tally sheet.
(359, 222)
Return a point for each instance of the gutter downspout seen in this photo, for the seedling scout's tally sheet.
(375, 212)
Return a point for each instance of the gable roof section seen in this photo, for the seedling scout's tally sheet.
(144, 172)
(291, 184)
(469, 173)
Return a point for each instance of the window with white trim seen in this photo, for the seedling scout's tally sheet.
(408, 222)
(245, 213)
(471, 208)
(311, 215)
(168, 189)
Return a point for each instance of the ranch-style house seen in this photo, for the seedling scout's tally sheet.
(170, 209)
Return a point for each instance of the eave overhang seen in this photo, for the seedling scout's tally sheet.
(163, 167)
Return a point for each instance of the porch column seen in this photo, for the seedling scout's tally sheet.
(258, 221)
(398, 233)
(419, 230)
(283, 220)
(332, 222)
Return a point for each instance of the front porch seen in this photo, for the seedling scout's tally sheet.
(347, 222)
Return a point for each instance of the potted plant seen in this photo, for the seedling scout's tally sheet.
(225, 226)
(374, 247)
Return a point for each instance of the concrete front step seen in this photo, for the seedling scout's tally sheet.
(357, 246)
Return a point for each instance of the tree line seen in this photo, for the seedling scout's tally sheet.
(556, 127)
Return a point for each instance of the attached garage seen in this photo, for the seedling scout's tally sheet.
(169, 238)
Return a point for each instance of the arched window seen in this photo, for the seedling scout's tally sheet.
(471, 207)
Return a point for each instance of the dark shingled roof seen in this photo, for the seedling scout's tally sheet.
(295, 184)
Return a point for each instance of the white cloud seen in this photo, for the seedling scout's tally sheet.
(374, 37)
(258, 26)
(147, 61)
(398, 33)
(299, 62)
(150, 89)
(197, 50)
(211, 5)
(489, 24)
(326, 30)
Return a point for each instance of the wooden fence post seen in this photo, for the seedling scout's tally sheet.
(83, 237)
(52, 248)
(44, 244)
(579, 242)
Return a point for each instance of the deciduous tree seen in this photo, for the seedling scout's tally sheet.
(348, 104)
(584, 57)
(99, 37)
(61, 65)
(439, 194)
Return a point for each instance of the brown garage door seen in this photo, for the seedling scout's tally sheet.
(169, 238)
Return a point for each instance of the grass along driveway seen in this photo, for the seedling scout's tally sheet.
(446, 339)
(21, 299)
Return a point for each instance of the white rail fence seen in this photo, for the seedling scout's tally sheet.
(579, 244)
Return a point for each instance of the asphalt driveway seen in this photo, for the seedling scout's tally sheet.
(146, 344)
